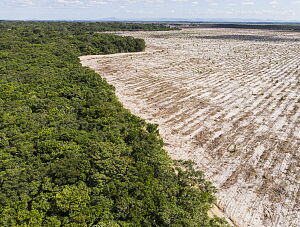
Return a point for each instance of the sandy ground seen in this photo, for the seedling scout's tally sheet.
(229, 99)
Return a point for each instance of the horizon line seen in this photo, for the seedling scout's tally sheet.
(173, 20)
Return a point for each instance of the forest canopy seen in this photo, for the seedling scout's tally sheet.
(70, 153)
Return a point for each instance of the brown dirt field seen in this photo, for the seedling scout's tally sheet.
(229, 100)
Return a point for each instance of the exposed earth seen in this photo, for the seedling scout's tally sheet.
(229, 99)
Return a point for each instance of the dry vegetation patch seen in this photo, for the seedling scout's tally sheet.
(229, 100)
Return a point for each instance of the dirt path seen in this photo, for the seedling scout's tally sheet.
(228, 99)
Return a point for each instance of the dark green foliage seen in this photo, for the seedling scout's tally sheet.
(67, 28)
(70, 154)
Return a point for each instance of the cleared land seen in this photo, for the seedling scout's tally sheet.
(228, 99)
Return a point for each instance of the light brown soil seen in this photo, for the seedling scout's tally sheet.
(228, 99)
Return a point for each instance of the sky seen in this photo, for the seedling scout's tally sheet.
(279, 10)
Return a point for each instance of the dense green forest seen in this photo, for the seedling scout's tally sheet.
(70, 154)
(78, 27)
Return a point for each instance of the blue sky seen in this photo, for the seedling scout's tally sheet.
(286, 10)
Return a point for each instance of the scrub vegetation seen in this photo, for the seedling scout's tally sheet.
(70, 153)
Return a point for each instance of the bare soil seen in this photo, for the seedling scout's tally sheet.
(229, 99)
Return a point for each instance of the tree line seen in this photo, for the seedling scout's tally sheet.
(284, 27)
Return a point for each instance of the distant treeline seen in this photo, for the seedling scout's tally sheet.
(242, 26)
(70, 154)
(79, 27)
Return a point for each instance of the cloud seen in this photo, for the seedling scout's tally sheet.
(273, 3)
(180, 0)
(99, 2)
(248, 3)
(212, 2)
(69, 1)
(20, 3)
(27, 2)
